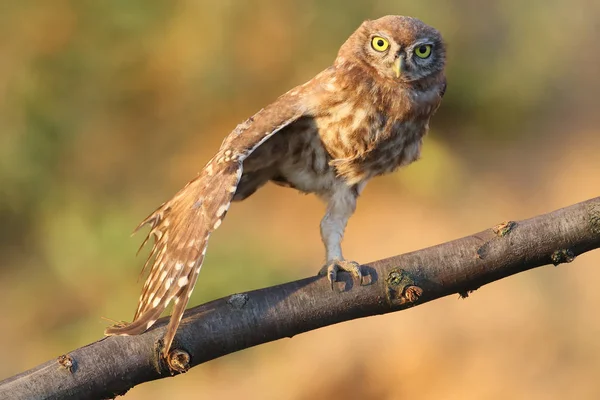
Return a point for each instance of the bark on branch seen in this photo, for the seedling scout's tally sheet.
(113, 365)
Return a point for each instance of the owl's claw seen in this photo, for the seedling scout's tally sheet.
(331, 269)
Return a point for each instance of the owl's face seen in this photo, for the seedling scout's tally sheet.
(399, 49)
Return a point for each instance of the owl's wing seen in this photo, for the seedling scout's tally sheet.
(181, 226)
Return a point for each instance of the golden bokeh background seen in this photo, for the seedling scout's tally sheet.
(108, 107)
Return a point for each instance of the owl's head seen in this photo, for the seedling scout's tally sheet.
(398, 48)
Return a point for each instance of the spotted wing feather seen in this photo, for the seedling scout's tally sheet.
(181, 227)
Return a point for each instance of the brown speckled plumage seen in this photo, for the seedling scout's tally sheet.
(362, 117)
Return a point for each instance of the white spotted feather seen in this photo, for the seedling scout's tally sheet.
(182, 226)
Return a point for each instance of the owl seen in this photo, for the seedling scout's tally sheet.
(364, 116)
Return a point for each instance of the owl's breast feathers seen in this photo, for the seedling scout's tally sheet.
(371, 129)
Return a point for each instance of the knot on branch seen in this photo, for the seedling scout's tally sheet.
(504, 228)
(402, 289)
(412, 293)
(562, 256)
(465, 293)
(594, 218)
(178, 361)
(238, 300)
(67, 362)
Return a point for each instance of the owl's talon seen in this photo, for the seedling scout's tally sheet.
(332, 277)
(334, 266)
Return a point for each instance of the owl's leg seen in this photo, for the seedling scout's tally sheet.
(340, 206)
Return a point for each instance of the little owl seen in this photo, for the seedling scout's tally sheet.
(364, 116)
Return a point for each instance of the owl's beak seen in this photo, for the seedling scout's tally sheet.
(398, 66)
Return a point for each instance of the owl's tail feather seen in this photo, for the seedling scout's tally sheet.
(180, 232)
(181, 228)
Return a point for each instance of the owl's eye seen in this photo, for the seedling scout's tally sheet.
(423, 51)
(380, 44)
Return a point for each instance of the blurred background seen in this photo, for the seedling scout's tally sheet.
(108, 107)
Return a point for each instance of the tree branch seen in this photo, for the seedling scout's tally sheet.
(113, 365)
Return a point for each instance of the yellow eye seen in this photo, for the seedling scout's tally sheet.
(423, 51)
(380, 44)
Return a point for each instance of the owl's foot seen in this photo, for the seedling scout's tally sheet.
(331, 269)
